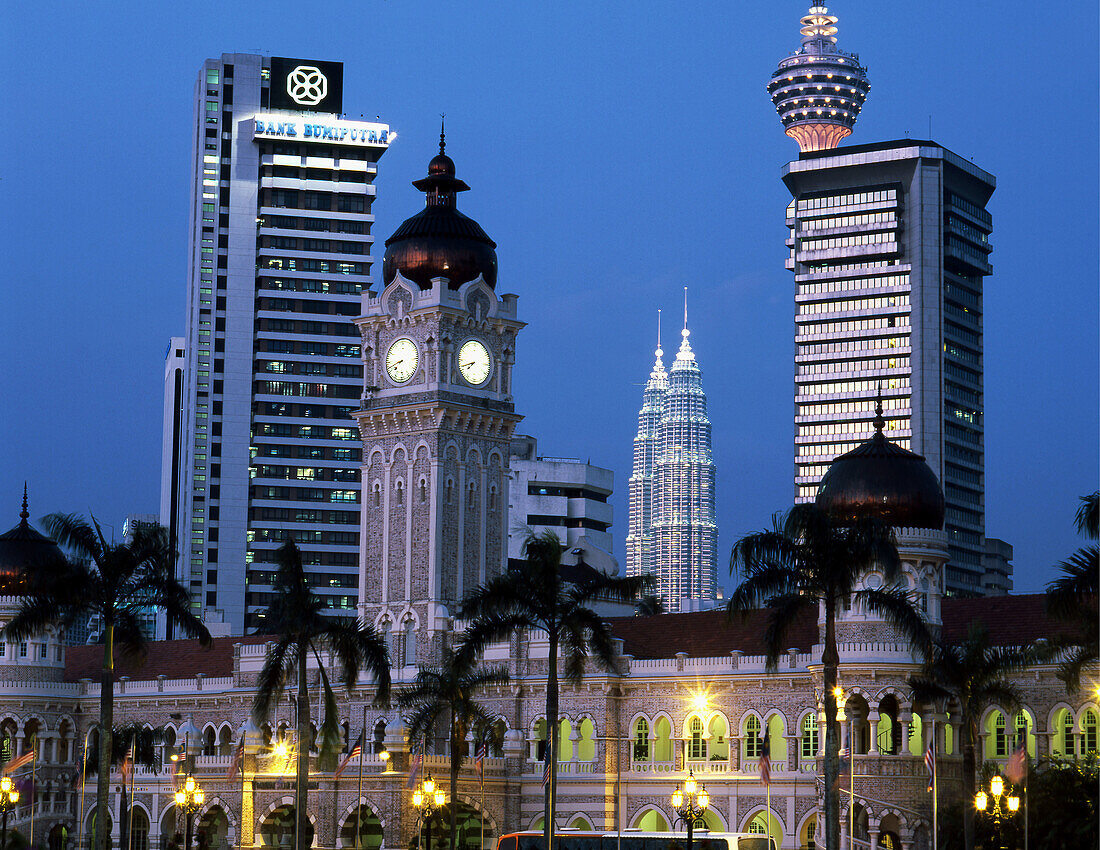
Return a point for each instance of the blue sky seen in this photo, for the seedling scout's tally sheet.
(617, 152)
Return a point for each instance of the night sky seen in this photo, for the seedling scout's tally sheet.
(617, 152)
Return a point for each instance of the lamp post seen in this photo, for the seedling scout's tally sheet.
(189, 798)
(9, 799)
(690, 801)
(427, 799)
(997, 791)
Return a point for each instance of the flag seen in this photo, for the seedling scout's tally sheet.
(765, 760)
(18, 762)
(930, 760)
(235, 762)
(479, 761)
(1016, 769)
(356, 751)
(546, 765)
(414, 770)
(127, 766)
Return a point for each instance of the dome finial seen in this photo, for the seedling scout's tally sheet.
(660, 351)
(24, 514)
(442, 133)
(879, 421)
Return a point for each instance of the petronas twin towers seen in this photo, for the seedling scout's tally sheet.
(673, 533)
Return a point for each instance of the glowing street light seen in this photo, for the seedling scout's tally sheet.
(189, 798)
(9, 799)
(997, 791)
(690, 801)
(427, 800)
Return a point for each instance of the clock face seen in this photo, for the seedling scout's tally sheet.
(474, 362)
(402, 360)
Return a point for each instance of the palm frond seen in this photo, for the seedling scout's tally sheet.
(356, 647)
(272, 679)
(898, 609)
(784, 611)
(1088, 515)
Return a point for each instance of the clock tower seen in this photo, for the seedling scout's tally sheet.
(436, 422)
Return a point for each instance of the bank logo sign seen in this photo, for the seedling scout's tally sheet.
(306, 85)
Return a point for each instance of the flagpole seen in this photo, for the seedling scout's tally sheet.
(935, 789)
(240, 820)
(83, 781)
(34, 769)
(359, 795)
(130, 807)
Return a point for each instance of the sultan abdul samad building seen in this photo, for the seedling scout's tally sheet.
(438, 344)
(436, 417)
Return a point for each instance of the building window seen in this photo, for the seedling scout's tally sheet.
(753, 745)
(641, 740)
(697, 745)
(1000, 737)
(377, 493)
(809, 736)
(1067, 733)
(1088, 732)
(400, 493)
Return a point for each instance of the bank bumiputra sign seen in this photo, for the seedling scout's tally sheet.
(306, 84)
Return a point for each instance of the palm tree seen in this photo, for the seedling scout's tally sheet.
(536, 596)
(140, 744)
(115, 583)
(294, 615)
(808, 560)
(973, 674)
(1073, 597)
(450, 691)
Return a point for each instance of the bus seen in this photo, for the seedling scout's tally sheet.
(633, 839)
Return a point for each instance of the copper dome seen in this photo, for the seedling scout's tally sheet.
(23, 548)
(880, 478)
(439, 241)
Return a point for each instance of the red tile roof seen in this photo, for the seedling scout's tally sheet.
(704, 634)
(1009, 620)
(176, 659)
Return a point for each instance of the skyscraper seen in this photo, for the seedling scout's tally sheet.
(282, 188)
(673, 531)
(889, 246)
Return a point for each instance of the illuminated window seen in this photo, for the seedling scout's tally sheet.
(809, 736)
(1088, 732)
(753, 745)
(697, 746)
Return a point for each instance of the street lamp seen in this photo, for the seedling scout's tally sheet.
(1012, 805)
(427, 799)
(189, 798)
(9, 799)
(690, 802)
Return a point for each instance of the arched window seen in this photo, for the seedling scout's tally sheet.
(377, 493)
(410, 643)
(1000, 738)
(753, 745)
(697, 745)
(449, 491)
(472, 495)
(423, 491)
(1067, 734)
(641, 739)
(1023, 730)
(809, 737)
(399, 492)
(493, 498)
(1088, 732)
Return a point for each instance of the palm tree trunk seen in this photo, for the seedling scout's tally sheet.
(969, 768)
(106, 724)
(830, 660)
(551, 739)
(301, 785)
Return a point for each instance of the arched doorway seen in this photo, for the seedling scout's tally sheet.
(58, 837)
(766, 823)
(137, 822)
(470, 828)
(91, 826)
(277, 830)
(651, 820)
(212, 830)
(365, 822)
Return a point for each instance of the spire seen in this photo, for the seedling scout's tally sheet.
(879, 421)
(443, 134)
(685, 352)
(659, 352)
(24, 514)
(658, 377)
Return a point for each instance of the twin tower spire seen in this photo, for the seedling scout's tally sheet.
(673, 532)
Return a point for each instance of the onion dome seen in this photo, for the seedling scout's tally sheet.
(819, 90)
(21, 549)
(439, 241)
(880, 478)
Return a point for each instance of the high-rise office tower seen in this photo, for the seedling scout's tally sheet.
(282, 187)
(889, 246)
(673, 531)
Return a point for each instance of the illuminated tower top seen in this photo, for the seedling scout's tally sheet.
(819, 90)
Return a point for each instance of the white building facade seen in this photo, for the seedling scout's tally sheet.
(279, 255)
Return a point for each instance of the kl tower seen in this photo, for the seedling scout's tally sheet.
(819, 90)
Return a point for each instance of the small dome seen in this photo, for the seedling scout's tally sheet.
(439, 241)
(880, 478)
(23, 548)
